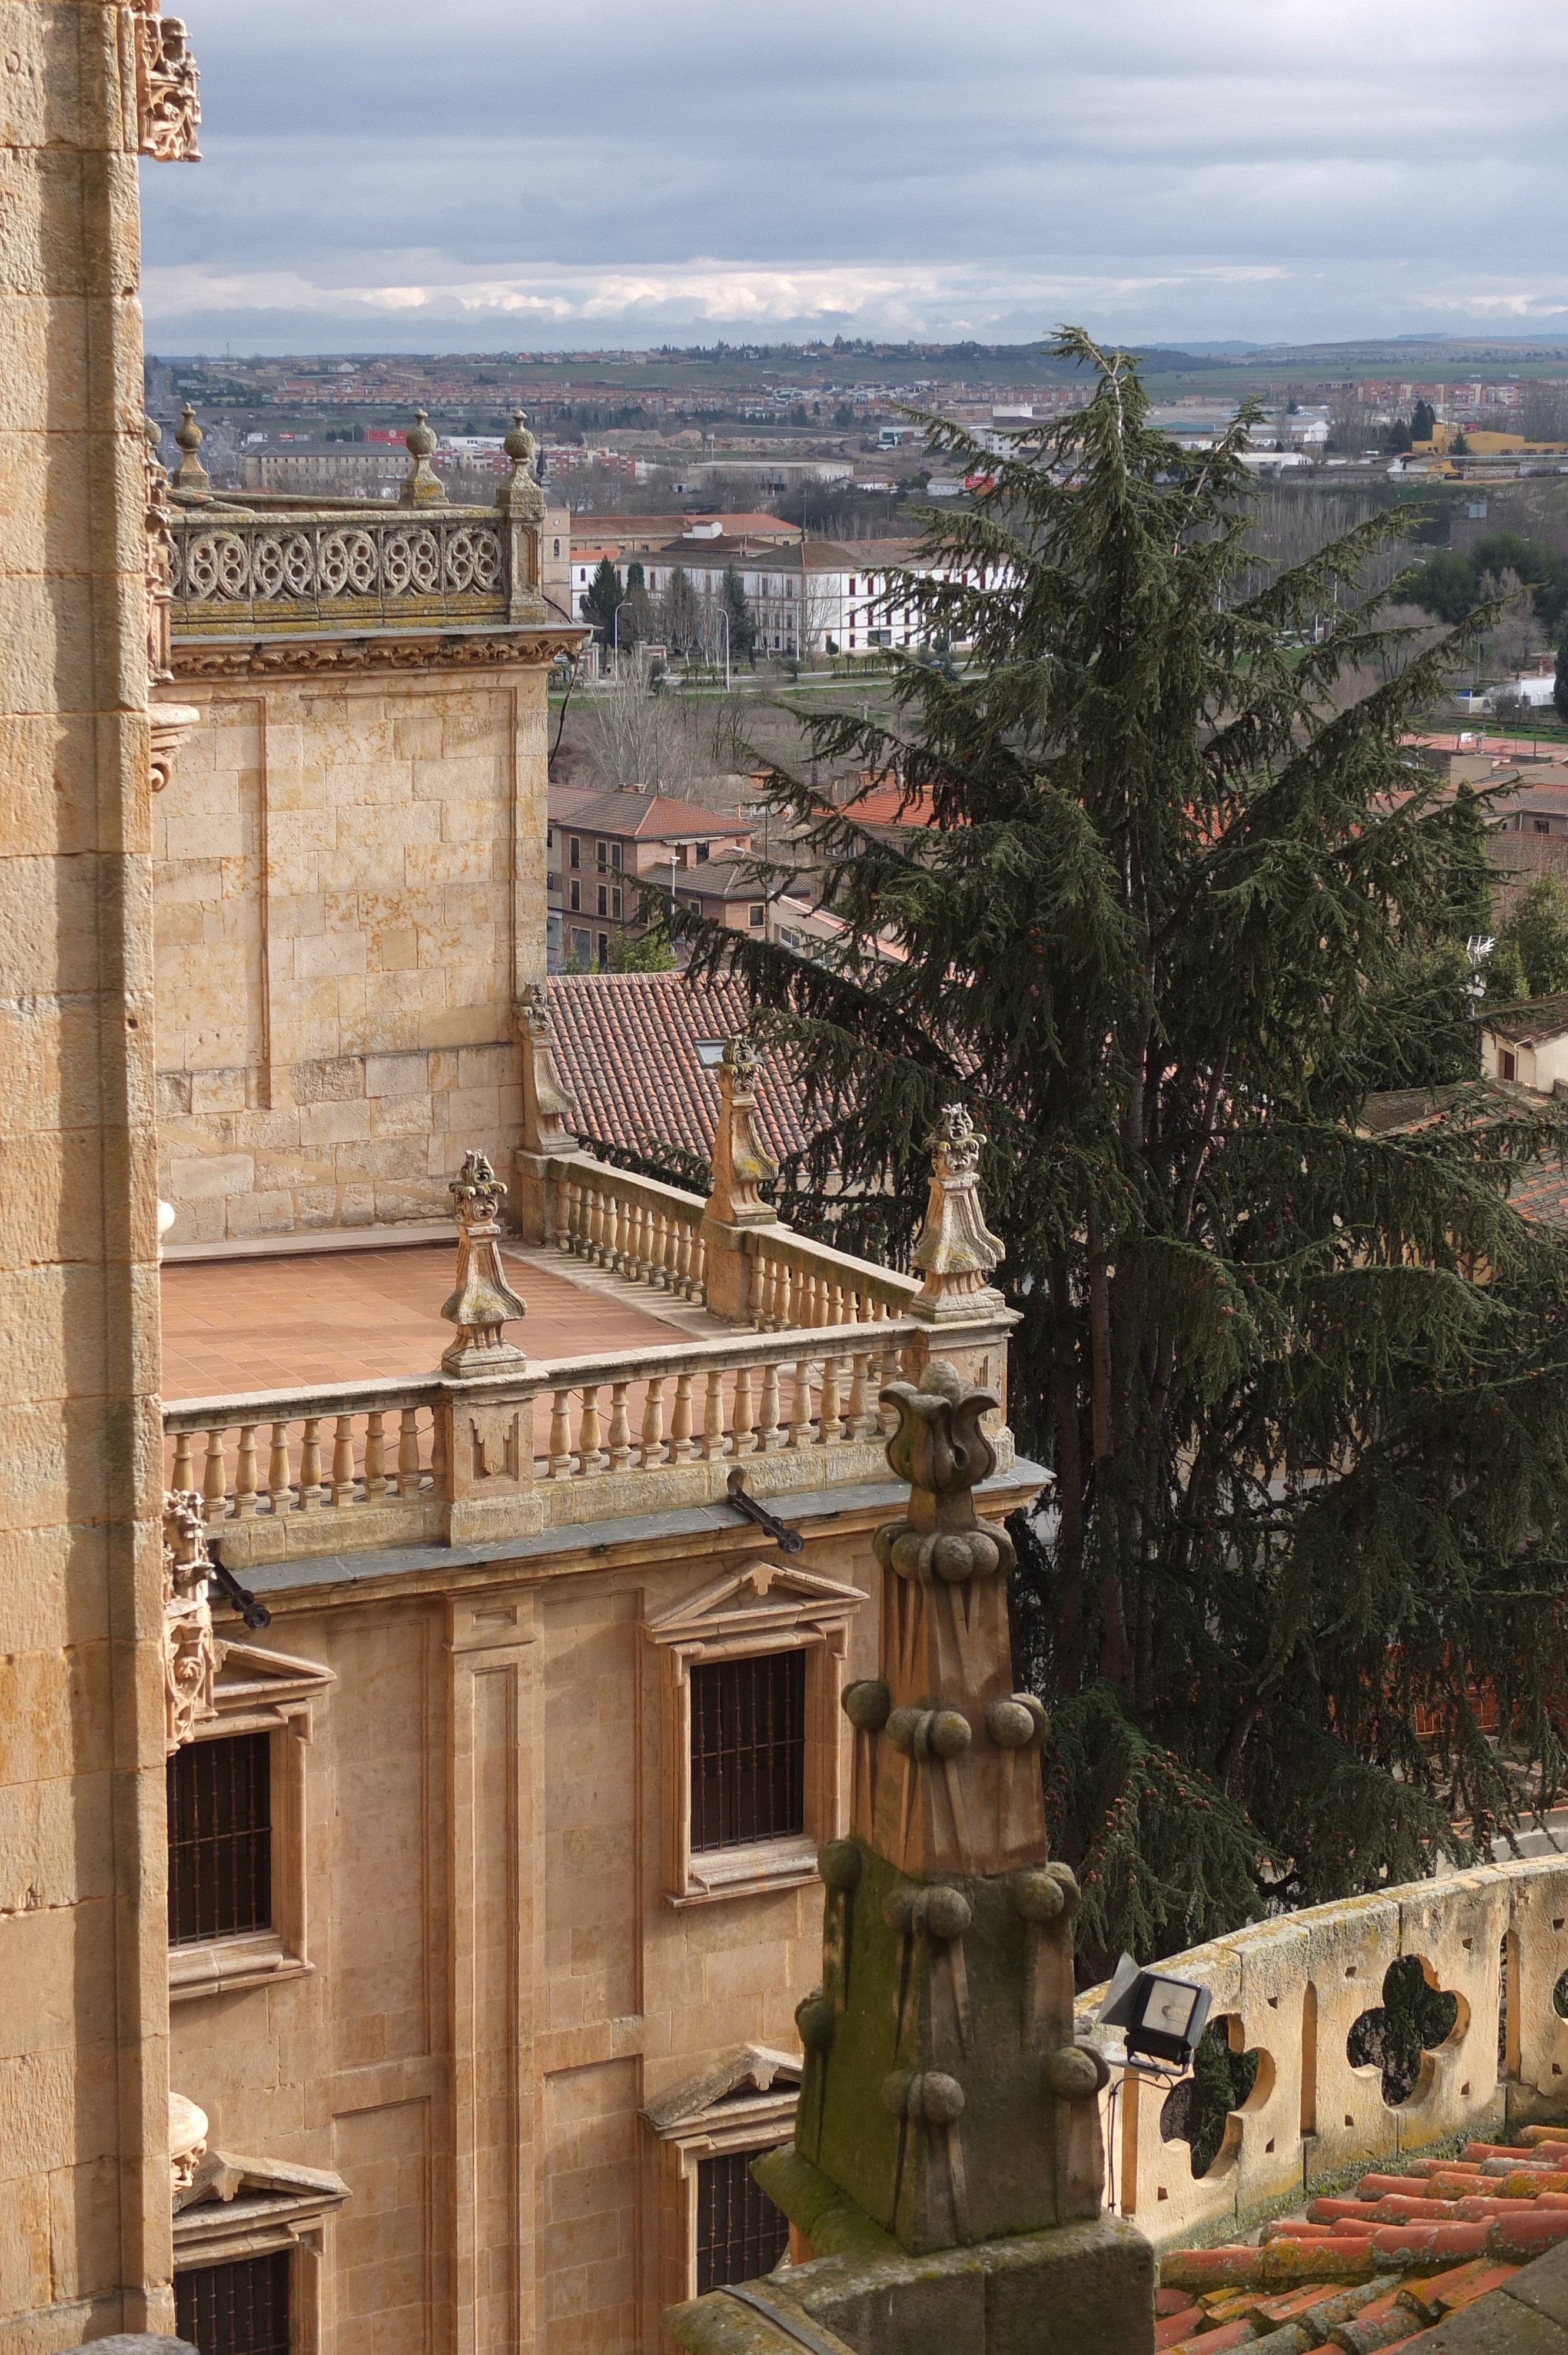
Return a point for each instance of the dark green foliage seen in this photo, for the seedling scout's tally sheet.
(1159, 932)
(1451, 586)
(1530, 957)
(1423, 422)
(1412, 2018)
(742, 620)
(602, 595)
(1560, 681)
(1196, 2110)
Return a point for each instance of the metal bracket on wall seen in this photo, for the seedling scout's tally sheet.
(787, 1540)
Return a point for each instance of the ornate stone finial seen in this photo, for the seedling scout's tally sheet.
(943, 2093)
(547, 1110)
(483, 1301)
(741, 1162)
(168, 112)
(422, 486)
(190, 476)
(192, 1653)
(520, 444)
(188, 2143)
(956, 1251)
(160, 563)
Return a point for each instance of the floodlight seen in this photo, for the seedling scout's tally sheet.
(1161, 2017)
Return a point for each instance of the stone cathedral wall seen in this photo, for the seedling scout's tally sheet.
(349, 876)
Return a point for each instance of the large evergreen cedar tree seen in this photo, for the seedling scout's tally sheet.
(1179, 903)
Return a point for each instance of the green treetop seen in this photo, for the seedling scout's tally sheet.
(1301, 1387)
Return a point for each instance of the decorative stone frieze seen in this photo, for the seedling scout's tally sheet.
(168, 109)
(160, 561)
(483, 1302)
(741, 1162)
(426, 652)
(956, 1251)
(192, 1654)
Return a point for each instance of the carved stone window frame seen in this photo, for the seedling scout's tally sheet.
(749, 1612)
(747, 2102)
(258, 1691)
(269, 2209)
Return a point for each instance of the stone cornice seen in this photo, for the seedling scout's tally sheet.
(273, 658)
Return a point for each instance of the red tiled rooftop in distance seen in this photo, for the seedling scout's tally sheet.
(232, 1326)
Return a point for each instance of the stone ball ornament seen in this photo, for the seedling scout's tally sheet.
(929, 2096)
(935, 1911)
(1014, 1724)
(929, 1732)
(839, 1865)
(867, 1704)
(952, 1556)
(1076, 2072)
(1049, 1892)
(816, 2020)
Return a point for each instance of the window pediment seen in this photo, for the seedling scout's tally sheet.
(752, 2087)
(763, 1604)
(253, 2201)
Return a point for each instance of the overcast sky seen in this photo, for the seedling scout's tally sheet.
(469, 175)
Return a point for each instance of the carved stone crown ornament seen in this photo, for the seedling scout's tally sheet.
(741, 1162)
(956, 1251)
(192, 1653)
(168, 111)
(483, 1301)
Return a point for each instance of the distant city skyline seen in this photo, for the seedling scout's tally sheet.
(397, 180)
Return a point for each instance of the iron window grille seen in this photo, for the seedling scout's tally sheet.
(220, 1839)
(236, 2309)
(749, 1750)
(740, 2233)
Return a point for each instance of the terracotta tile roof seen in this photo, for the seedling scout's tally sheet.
(638, 817)
(1394, 2259)
(626, 1049)
(1537, 1020)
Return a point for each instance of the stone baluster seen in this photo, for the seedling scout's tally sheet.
(279, 1489)
(631, 1266)
(593, 1223)
(617, 1227)
(376, 1480)
(769, 1436)
(740, 1415)
(620, 1428)
(245, 1475)
(829, 1422)
(862, 1421)
(664, 1258)
(183, 1478)
(681, 1235)
(440, 1457)
(567, 1200)
(699, 1266)
(343, 1461)
(800, 1405)
(310, 1465)
(408, 1466)
(713, 1418)
(590, 1452)
(214, 1479)
(680, 1448)
(654, 1424)
(560, 1435)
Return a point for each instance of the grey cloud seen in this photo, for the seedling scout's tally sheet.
(1232, 167)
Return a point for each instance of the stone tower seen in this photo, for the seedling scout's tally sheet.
(944, 2184)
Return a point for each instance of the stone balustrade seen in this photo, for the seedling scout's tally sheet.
(449, 1458)
(654, 1234)
(280, 570)
(1292, 1992)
